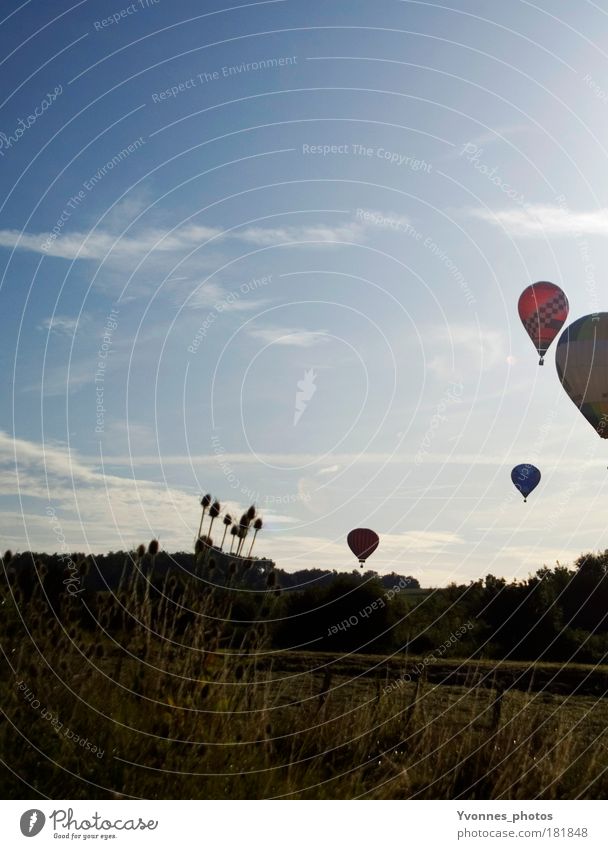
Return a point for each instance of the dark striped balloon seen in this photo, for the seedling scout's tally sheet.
(362, 542)
(581, 360)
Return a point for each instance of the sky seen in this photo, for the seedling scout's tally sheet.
(273, 251)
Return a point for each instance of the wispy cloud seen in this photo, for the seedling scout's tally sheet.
(374, 458)
(430, 542)
(64, 325)
(288, 336)
(352, 231)
(211, 295)
(545, 220)
(463, 348)
(97, 510)
(98, 244)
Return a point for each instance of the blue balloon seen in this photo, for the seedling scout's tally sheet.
(526, 478)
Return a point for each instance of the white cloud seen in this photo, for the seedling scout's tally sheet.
(63, 325)
(463, 349)
(288, 336)
(374, 458)
(545, 220)
(211, 295)
(429, 542)
(350, 232)
(99, 243)
(385, 220)
(396, 552)
(96, 244)
(96, 510)
(329, 470)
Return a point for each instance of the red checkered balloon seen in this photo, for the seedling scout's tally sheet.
(543, 309)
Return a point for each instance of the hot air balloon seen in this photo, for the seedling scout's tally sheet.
(581, 360)
(543, 309)
(362, 542)
(526, 477)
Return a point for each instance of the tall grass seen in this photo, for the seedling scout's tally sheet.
(179, 702)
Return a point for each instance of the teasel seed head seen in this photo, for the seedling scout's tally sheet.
(8, 556)
(153, 548)
(251, 513)
(202, 543)
(206, 501)
(141, 551)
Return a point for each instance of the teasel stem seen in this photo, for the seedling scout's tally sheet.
(243, 528)
(153, 549)
(214, 512)
(257, 526)
(140, 553)
(202, 548)
(227, 522)
(205, 502)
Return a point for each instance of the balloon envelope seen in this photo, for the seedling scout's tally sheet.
(526, 477)
(581, 360)
(362, 542)
(543, 309)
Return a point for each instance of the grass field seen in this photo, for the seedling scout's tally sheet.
(145, 705)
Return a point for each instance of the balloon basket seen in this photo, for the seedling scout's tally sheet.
(541, 362)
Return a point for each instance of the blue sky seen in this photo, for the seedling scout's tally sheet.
(294, 234)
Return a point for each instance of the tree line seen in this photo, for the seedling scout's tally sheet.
(557, 614)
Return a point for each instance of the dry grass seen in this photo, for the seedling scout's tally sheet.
(178, 706)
